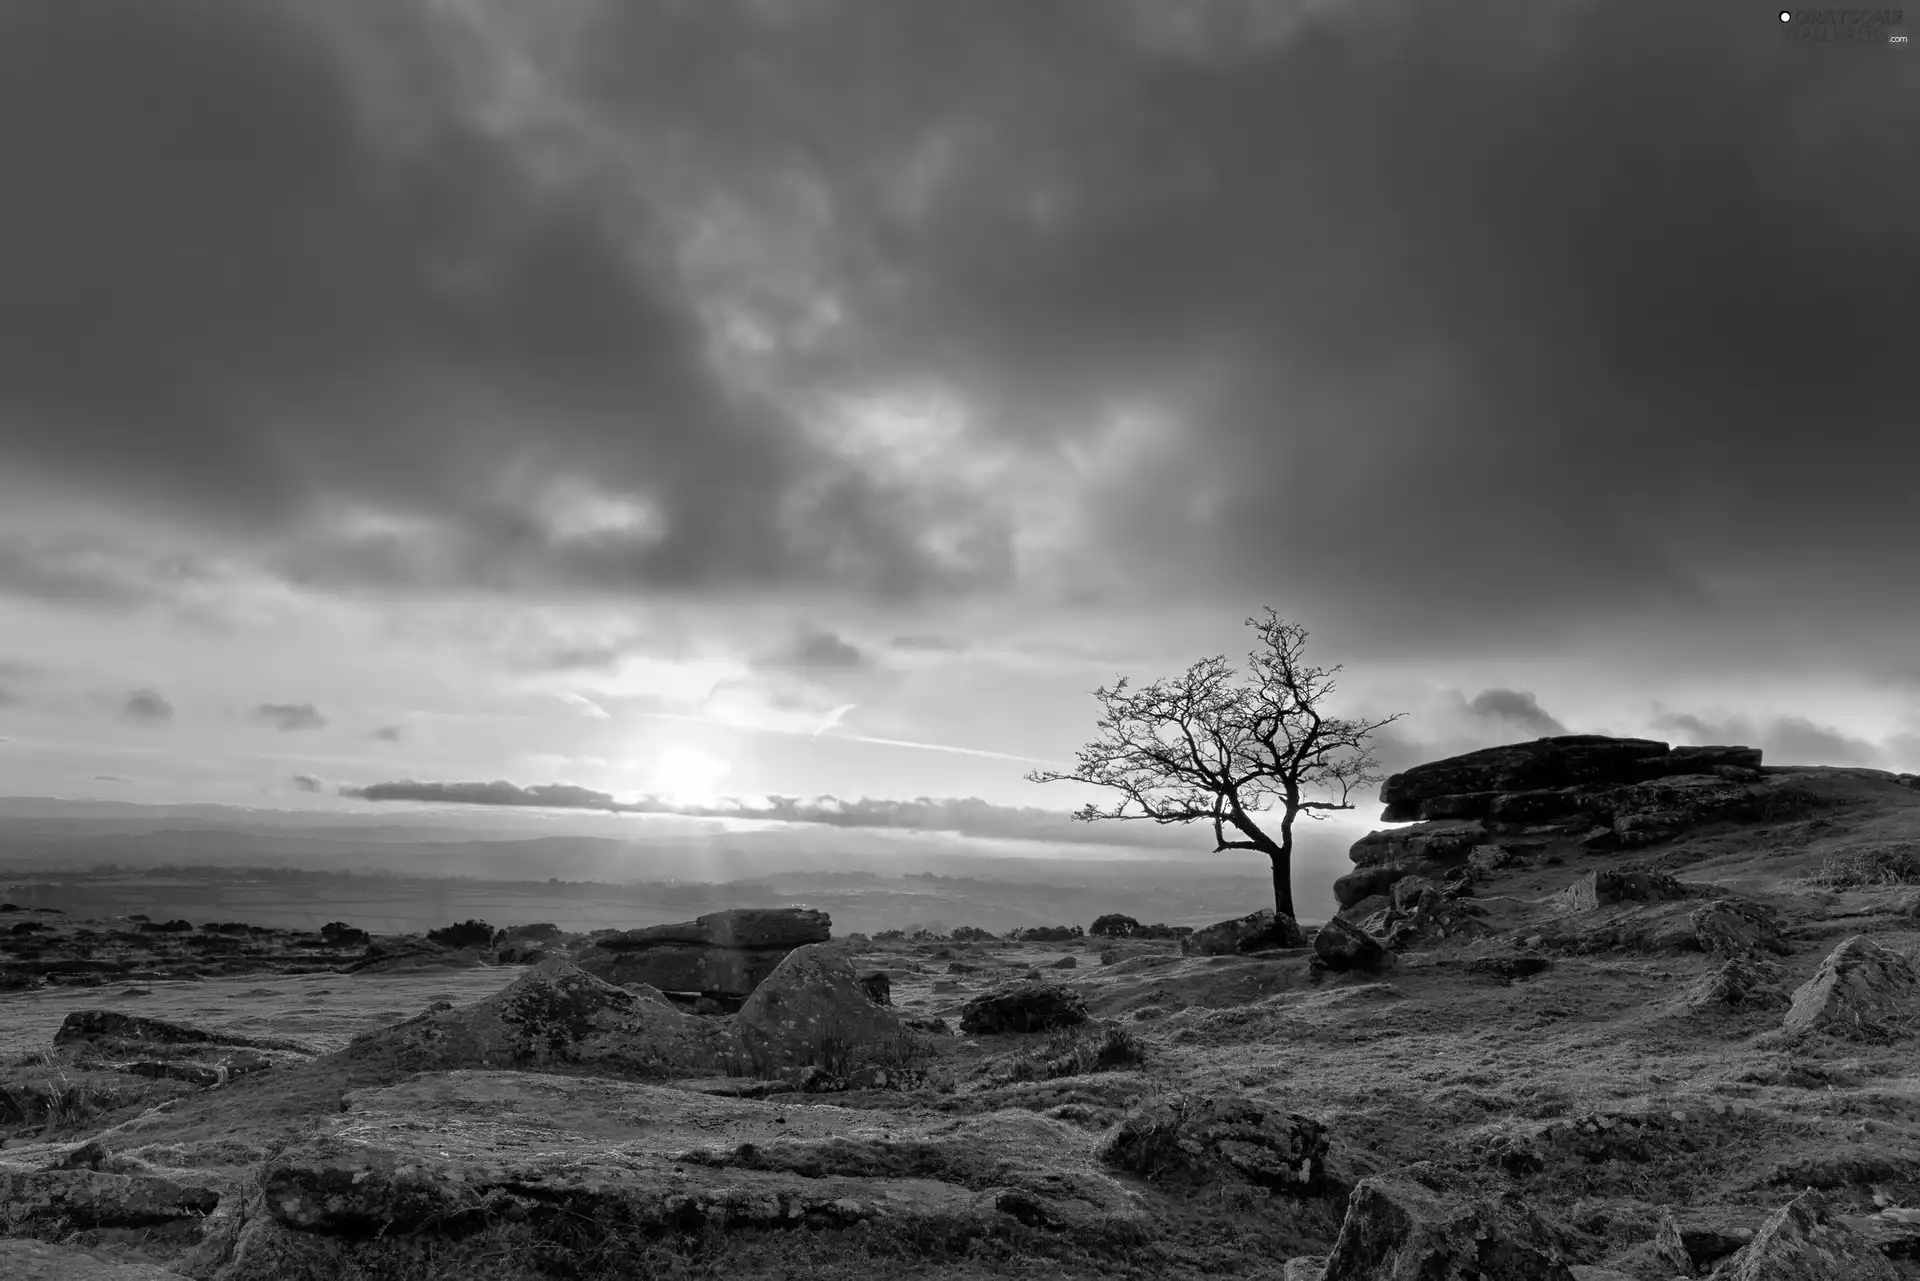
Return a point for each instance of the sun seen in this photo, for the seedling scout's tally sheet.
(689, 776)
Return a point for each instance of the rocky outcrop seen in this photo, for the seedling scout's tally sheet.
(1806, 1240)
(813, 1011)
(1365, 882)
(1625, 792)
(1256, 932)
(1191, 1141)
(728, 953)
(1860, 990)
(554, 1015)
(1445, 843)
(1023, 1007)
(1468, 786)
(1398, 1229)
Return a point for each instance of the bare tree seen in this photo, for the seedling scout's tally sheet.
(1203, 747)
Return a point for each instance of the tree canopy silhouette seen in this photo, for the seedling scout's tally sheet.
(1204, 747)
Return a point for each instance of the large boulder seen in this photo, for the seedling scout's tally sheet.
(1806, 1240)
(1398, 1229)
(1185, 1140)
(553, 1016)
(813, 1011)
(1860, 989)
(1341, 946)
(724, 953)
(1024, 1007)
(1256, 932)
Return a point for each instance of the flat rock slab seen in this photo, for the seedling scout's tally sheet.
(443, 1148)
(23, 1260)
(41, 1199)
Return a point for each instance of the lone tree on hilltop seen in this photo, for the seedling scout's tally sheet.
(1202, 747)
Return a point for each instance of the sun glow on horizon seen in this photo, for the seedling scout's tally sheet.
(688, 776)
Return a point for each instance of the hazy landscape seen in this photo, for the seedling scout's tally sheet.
(1673, 1043)
(957, 639)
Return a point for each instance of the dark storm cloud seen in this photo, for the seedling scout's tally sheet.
(817, 651)
(146, 707)
(1508, 312)
(1785, 740)
(263, 260)
(307, 783)
(289, 717)
(1515, 707)
(969, 816)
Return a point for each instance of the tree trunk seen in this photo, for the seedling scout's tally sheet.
(1282, 857)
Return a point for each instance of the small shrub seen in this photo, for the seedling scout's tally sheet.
(890, 936)
(470, 933)
(1114, 925)
(971, 934)
(1076, 1052)
(1876, 865)
(1047, 934)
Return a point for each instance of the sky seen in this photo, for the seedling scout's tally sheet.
(442, 400)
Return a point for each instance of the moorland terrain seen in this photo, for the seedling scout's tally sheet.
(1599, 1009)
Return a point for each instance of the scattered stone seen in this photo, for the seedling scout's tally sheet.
(1064, 963)
(1505, 970)
(1256, 932)
(1187, 1140)
(1806, 1240)
(1342, 946)
(1621, 885)
(1397, 1229)
(1485, 860)
(813, 1007)
(1740, 983)
(1025, 1007)
(729, 952)
(1860, 989)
